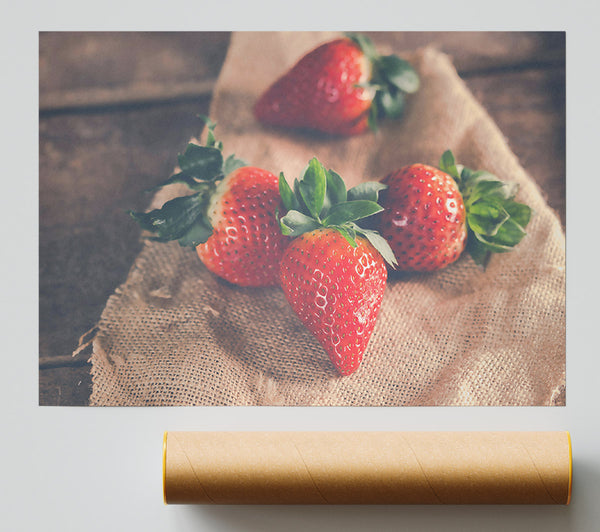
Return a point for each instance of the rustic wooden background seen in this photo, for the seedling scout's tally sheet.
(116, 108)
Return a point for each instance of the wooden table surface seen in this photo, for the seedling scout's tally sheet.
(116, 108)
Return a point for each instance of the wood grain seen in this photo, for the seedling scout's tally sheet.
(529, 108)
(83, 69)
(93, 168)
(65, 386)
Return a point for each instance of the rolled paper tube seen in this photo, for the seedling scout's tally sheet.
(367, 467)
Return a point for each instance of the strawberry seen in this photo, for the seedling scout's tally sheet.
(424, 218)
(340, 88)
(230, 218)
(431, 215)
(246, 245)
(333, 273)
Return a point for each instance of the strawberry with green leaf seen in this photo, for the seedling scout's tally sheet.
(495, 221)
(432, 215)
(230, 216)
(333, 273)
(342, 87)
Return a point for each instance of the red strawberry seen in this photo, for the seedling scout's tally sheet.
(333, 273)
(424, 218)
(336, 290)
(431, 215)
(230, 219)
(246, 244)
(339, 88)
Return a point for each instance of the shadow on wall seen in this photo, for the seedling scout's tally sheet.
(381, 518)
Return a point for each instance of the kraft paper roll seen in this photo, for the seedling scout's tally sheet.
(367, 467)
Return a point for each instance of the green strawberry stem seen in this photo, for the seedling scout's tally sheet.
(185, 218)
(392, 78)
(495, 221)
(320, 199)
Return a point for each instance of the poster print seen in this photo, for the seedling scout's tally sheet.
(470, 330)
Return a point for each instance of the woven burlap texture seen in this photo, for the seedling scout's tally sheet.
(174, 334)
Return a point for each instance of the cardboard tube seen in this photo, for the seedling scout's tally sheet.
(367, 467)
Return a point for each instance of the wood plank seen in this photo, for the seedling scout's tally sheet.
(65, 386)
(483, 51)
(79, 69)
(92, 168)
(529, 108)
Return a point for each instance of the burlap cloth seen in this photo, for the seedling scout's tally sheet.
(174, 334)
